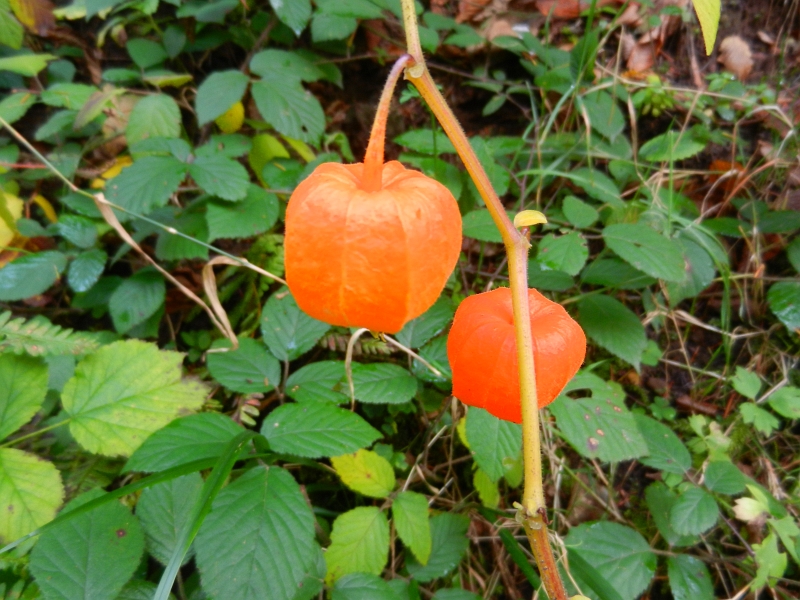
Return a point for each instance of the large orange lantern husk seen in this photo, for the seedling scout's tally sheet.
(371, 244)
(482, 351)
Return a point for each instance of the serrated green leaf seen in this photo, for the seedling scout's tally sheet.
(671, 146)
(660, 500)
(26, 65)
(14, 106)
(747, 383)
(286, 67)
(320, 381)
(295, 15)
(689, 578)
(646, 249)
(694, 512)
(124, 392)
(10, 30)
(567, 253)
(613, 326)
(449, 543)
(85, 269)
(487, 489)
(68, 95)
(316, 429)
(154, 116)
(24, 386)
(39, 337)
(137, 299)
(30, 492)
(164, 510)
(699, 272)
(290, 109)
(190, 222)
(383, 383)
(326, 27)
(784, 301)
(91, 556)
(365, 472)
(708, 13)
(220, 176)
(138, 589)
(666, 450)
(30, 275)
(615, 273)
(455, 594)
(410, 514)
(363, 586)
(359, 543)
(255, 214)
(785, 401)
(220, 91)
(147, 184)
(604, 113)
(496, 444)
(184, 440)
(258, 541)
(771, 562)
(620, 553)
(418, 331)
(426, 141)
(764, 421)
(146, 53)
(288, 332)
(249, 369)
(579, 213)
(724, 477)
(596, 184)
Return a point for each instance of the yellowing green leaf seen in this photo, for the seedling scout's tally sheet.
(10, 211)
(35, 15)
(366, 472)
(24, 385)
(30, 493)
(360, 543)
(410, 512)
(124, 392)
(486, 488)
(708, 12)
(27, 65)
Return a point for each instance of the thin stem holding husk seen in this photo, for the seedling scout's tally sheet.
(533, 511)
(373, 159)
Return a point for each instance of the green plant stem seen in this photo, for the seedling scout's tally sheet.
(34, 434)
(534, 509)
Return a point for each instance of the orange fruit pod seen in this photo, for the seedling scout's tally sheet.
(482, 351)
(371, 244)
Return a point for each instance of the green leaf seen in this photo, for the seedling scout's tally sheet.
(146, 53)
(479, 225)
(689, 578)
(91, 556)
(365, 472)
(599, 427)
(124, 392)
(11, 31)
(418, 331)
(724, 477)
(295, 15)
(785, 401)
(288, 332)
(153, 116)
(783, 299)
(39, 337)
(588, 577)
(771, 562)
(85, 269)
(604, 113)
(383, 383)
(147, 184)
(78, 230)
(455, 594)
(567, 253)
(646, 249)
(747, 383)
(68, 95)
(188, 221)
(164, 510)
(290, 109)
(579, 213)
(426, 141)
(410, 514)
(326, 27)
(708, 13)
(694, 512)
(220, 176)
(793, 253)
(26, 65)
(666, 450)
(30, 493)
(316, 429)
(184, 440)
(359, 543)
(286, 67)
(613, 326)
(764, 421)
(487, 489)
(137, 299)
(255, 214)
(363, 586)
(138, 589)
(14, 106)
(258, 541)
(615, 273)
(220, 91)
(496, 444)
(699, 272)
(24, 386)
(671, 146)
(435, 352)
(449, 543)
(249, 369)
(660, 500)
(596, 184)
(620, 553)
(30, 275)
(322, 381)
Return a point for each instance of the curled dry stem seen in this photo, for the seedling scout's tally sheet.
(533, 504)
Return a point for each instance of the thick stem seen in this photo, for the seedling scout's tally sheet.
(534, 509)
(373, 159)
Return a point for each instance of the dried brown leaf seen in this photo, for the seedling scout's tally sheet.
(468, 9)
(35, 15)
(736, 56)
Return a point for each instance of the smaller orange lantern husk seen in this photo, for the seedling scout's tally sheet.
(482, 352)
(372, 244)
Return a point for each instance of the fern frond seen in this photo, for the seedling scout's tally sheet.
(40, 337)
